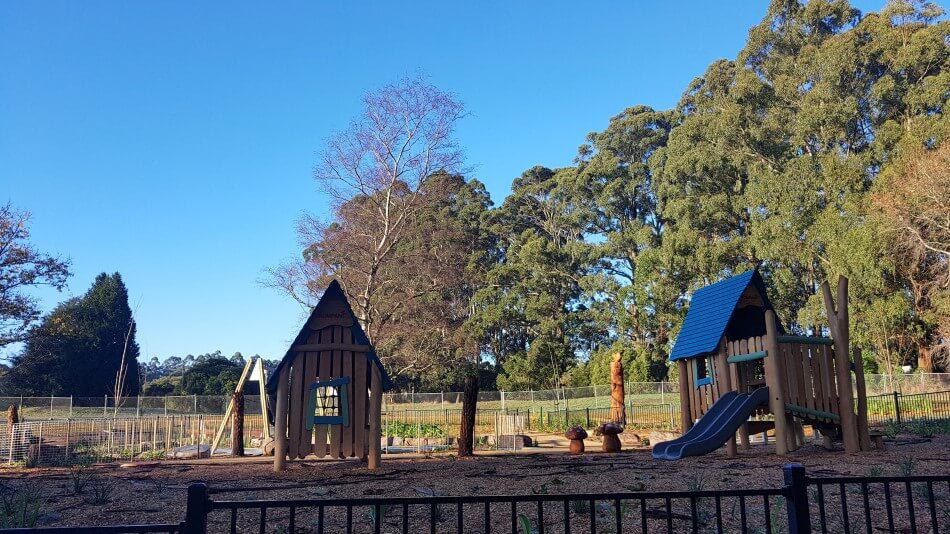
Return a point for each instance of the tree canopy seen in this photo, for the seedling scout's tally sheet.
(80, 346)
(803, 156)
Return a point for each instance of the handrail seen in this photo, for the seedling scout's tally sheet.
(752, 356)
(805, 340)
(794, 408)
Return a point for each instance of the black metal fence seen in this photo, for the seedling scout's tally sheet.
(802, 504)
(898, 408)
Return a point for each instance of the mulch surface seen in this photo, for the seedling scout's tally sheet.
(155, 493)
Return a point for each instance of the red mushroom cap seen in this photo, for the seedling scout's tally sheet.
(608, 429)
(575, 432)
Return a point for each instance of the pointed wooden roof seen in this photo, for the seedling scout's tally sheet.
(331, 305)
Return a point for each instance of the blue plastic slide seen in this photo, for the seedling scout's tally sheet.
(713, 429)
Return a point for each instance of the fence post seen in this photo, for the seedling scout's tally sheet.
(70, 407)
(897, 407)
(196, 509)
(105, 405)
(51, 407)
(796, 497)
(196, 404)
(588, 416)
(138, 405)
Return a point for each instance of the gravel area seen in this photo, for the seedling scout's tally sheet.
(154, 493)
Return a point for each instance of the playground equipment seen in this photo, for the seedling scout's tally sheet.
(253, 372)
(735, 363)
(328, 388)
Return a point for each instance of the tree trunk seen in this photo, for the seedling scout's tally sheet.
(467, 430)
(925, 362)
(237, 425)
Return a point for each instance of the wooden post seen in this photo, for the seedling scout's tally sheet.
(237, 424)
(838, 322)
(467, 428)
(864, 434)
(375, 419)
(686, 422)
(280, 421)
(618, 411)
(725, 378)
(774, 380)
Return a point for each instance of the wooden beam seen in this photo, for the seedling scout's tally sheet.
(805, 340)
(375, 418)
(227, 412)
(686, 422)
(864, 434)
(315, 347)
(839, 323)
(280, 421)
(775, 382)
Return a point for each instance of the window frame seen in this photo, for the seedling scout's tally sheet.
(710, 372)
(342, 386)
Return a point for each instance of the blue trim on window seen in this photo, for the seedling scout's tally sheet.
(710, 372)
(342, 387)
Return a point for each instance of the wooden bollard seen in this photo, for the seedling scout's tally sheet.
(237, 425)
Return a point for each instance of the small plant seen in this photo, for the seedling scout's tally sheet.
(580, 507)
(694, 483)
(907, 466)
(79, 477)
(152, 455)
(21, 507)
(101, 491)
(525, 522)
(383, 508)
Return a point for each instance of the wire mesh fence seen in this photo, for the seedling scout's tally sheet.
(570, 399)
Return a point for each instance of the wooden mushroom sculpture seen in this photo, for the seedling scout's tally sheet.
(609, 432)
(577, 435)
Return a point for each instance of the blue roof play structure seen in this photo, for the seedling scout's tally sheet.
(729, 310)
(711, 311)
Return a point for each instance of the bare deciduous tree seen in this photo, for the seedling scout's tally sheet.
(376, 172)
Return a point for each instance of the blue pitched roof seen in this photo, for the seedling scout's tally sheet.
(709, 314)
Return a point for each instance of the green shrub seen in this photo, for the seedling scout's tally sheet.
(402, 429)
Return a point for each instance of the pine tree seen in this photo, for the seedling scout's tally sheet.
(77, 349)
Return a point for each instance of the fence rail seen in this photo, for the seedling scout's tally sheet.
(71, 441)
(649, 393)
(801, 504)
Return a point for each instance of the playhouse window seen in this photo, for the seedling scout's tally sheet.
(329, 403)
(703, 371)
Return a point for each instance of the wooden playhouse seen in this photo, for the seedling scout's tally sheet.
(328, 388)
(732, 348)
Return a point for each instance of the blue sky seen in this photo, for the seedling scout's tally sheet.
(174, 141)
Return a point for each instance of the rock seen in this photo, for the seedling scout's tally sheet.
(267, 446)
(191, 451)
(657, 436)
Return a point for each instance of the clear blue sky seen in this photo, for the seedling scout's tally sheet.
(174, 141)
